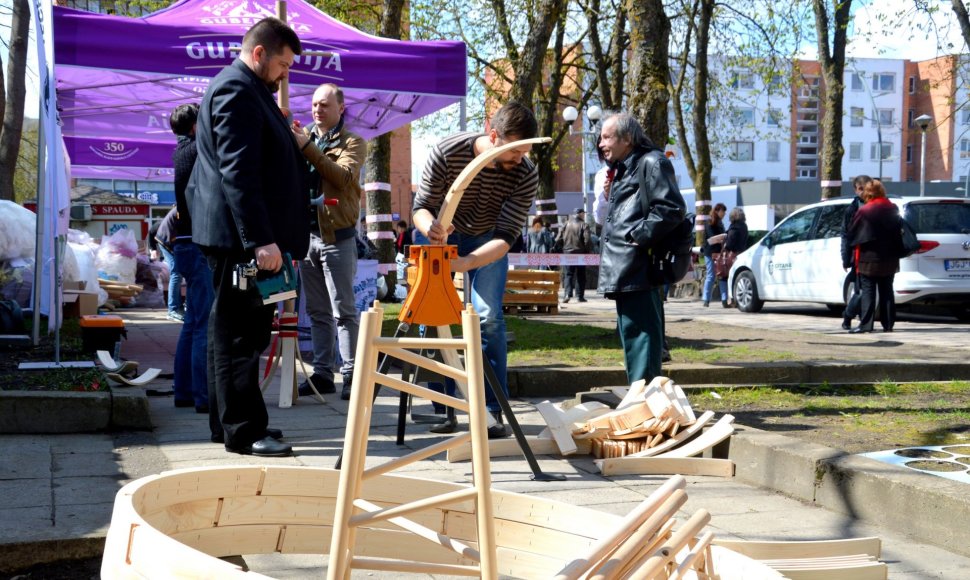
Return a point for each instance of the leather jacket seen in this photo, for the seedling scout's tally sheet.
(575, 236)
(339, 170)
(637, 220)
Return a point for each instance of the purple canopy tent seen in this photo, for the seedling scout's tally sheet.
(119, 78)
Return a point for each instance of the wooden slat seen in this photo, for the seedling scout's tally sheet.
(681, 437)
(709, 438)
(666, 466)
(871, 546)
(510, 448)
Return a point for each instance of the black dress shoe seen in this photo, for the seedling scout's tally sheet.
(265, 447)
(220, 438)
(846, 324)
(887, 329)
(498, 430)
(274, 433)
(449, 425)
(859, 330)
(324, 386)
(581, 299)
(181, 404)
(202, 409)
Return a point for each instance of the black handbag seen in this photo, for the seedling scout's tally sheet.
(910, 244)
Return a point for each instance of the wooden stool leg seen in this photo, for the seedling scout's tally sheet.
(355, 445)
(471, 330)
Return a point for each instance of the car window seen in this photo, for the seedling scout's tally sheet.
(939, 218)
(795, 229)
(829, 223)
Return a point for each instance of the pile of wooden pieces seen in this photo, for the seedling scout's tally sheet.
(646, 416)
(119, 293)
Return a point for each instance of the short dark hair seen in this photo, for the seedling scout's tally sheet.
(860, 181)
(515, 120)
(272, 34)
(629, 129)
(402, 224)
(183, 118)
(337, 91)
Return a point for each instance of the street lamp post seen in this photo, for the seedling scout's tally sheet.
(569, 115)
(923, 121)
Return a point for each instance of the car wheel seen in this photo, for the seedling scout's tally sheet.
(746, 293)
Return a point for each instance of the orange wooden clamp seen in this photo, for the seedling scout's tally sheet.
(433, 299)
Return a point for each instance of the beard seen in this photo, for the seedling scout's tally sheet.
(273, 86)
(506, 166)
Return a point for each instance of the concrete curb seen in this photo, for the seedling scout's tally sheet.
(35, 412)
(929, 508)
(566, 381)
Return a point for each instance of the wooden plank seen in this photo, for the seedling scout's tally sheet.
(578, 414)
(870, 571)
(666, 466)
(196, 483)
(709, 438)
(143, 379)
(559, 426)
(871, 546)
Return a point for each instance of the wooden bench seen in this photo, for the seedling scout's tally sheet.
(527, 290)
(536, 290)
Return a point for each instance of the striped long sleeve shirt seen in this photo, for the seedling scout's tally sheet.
(495, 199)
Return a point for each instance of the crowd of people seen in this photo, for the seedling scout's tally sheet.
(253, 185)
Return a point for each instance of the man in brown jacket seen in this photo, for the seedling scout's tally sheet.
(335, 156)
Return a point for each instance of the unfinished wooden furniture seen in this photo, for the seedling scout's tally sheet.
(530, 291)
(179, 523)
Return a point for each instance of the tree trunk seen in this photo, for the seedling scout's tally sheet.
(377, 167)
(12, 94)
(703, 165)
(960, 9)
(649, 68)
(833, 68)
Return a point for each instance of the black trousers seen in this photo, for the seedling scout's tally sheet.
(854, 306)
(574, 276)
(239, 331)
(883, 285)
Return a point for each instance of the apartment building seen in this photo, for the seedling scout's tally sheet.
(772, 131)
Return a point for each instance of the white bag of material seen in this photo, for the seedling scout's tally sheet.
(116, 257)
(17, 231)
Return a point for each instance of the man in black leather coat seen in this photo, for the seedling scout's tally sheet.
(644, 206)
(853, 306)
(247, 196)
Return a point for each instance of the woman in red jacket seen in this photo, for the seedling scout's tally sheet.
(875, 238)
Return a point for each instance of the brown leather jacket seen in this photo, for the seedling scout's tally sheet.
(339, 170)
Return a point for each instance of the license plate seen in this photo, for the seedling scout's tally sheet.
(950, 265)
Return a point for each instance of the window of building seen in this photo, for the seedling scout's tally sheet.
(856, 115)
(912, 85)
(713, 180)
(742, 79)
(808, 139)
(807, 174)
(883, 118)
(909, 154)
(856, 82)
(964, 148)
(740, 179)
(774, 149)
(910, 118)
(742, 151)
(965, 116)
(743, 117)
(855, 151)
(884, 82)
(887, 151)
(773, 117)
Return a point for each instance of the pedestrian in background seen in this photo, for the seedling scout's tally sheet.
(876, 241)
(853, 305)
(736, 240)
(714, 235)
(191, 351)
(160, 238)
(575, 238)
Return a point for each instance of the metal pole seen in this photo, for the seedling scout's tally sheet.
(922, 164)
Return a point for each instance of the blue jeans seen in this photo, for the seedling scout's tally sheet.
(174, 281)
(487, 288)
(191, 376)
(709, 278)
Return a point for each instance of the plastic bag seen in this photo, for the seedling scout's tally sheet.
(17, 231)
(116, 255)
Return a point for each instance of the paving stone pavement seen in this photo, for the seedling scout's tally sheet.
(56, 492)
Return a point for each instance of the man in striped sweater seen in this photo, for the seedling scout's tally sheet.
(489, 218)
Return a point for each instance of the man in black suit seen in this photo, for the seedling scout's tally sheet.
(247, 197)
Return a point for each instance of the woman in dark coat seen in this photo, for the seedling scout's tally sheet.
(875, 238)
(714, 227)
(737, 236)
